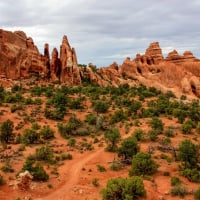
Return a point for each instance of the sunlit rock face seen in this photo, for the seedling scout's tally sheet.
(20, 59)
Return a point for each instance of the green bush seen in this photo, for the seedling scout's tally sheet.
(187, 127)
(115, 166)
(188, 154)
(36, 169)
(175, 181)
(67, 156)
(143, 164)
(128, 148)
(156, 124)
(45, 153)
(6, 131)
(101, 168)
(47, 133)
(118, 116)
(71, 142)
(112, 137)
(179, 190)
(197, 194)
(192, 175)
(7, 167)
(139, 134)
(122, 188)
(30, 136)
(91, 119)
(101, 106)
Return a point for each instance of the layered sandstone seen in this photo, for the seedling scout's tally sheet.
(20, 58)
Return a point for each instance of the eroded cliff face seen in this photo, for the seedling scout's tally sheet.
(178, 73)
(20, 58)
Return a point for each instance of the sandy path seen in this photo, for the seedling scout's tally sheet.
(73, 173)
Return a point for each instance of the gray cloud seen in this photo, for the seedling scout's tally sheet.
(106, 31)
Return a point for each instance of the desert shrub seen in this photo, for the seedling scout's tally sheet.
(7, 167)
(30, 136)
(71, 142)
(36, 169)
(198, 128)
(14, 108)
(139, 134)
(169, 131)
(6, 131)
(39, 174)
(118, 116)
(122, 188)
(47, 133)
(180, 114)
(76, 104)
(128, 148)
(179, 190)
(188, 154)
(101, 106)
(101, 168)
(37, 101)
(156, 124)
(134, 107)
(28, 101)
(67, 130)
(197, 194)
(153, 135)
(115, 166)
(45, 153)
(187, 126)
(36, 91)
(95, 182)
(112, 137)
(35, 126)
(143, 164)
(54, 114)
(192, 175)
(67, 156)
(175, 181)
(91, 119)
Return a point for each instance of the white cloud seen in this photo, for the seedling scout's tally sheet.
(103, 31)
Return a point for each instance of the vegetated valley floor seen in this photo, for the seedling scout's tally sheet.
(63, 128)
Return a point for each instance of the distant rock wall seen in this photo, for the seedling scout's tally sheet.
(20, 58)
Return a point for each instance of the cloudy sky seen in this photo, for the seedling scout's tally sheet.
(103, 31)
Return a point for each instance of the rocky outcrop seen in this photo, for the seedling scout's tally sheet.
(69, 67)
(180, 74)
(24, 180)
(20, 58)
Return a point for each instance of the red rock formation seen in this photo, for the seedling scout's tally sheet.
(20, 58)
(69, 67)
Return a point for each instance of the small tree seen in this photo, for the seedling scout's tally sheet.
(101, 106)
(129, 147)
(112, 137)
(6, 131)
(156, 124)
(188, 154)
(143, 164)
